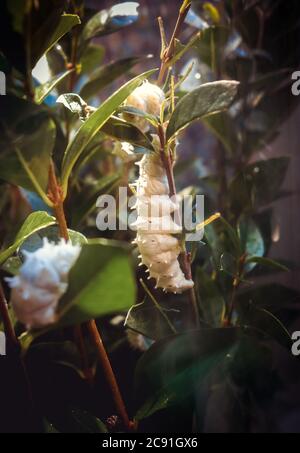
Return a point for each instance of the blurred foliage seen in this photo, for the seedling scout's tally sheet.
(249, 41)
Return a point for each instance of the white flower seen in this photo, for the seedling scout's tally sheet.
(42, 281)
(148, 98)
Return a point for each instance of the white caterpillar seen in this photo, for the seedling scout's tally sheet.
(156, 229)
(148, 98)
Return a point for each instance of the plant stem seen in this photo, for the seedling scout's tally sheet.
(185, 258)
(172, 328)
(56, 196)
(8, 327)
(73, 64)
(170, 50)
(33, 179)
(110, 376)
(79, 340)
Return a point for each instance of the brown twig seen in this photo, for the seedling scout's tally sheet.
(167, 158)
(79, 340)
(110, 376)
(56, 196)
(168, 54)
(185, 258)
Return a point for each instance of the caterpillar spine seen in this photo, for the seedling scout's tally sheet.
(156, 229)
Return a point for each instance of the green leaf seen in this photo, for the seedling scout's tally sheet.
(12, 265)
(129, 112)
(208, 99)
(66, 23)
(107, 74)
(147, 320)
(222, 239)
(42, 91)
(87, 423)
(92, 58)
(33, 223)
(251, 240)
(174, 368)
(52, 233)
(26, 128)
(232, 235)
(110, 20)
(267, 262)
(210, 46)
(115, 127)
(272, 297)
(259, 184)
(86, 199)
(267, 323)
(126, 132)
(95, 122)
(74, 103)
(106, 286)
(211, 300)
(222, 125)
(77, 421)
(33, 41)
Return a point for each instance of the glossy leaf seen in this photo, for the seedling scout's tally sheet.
(206, 100)
(259, 184)
(251, 240)
(210, 47)
(126, 132)
(174, 368)
(267, 323)
(111, 20)
(35, 241)
(147, 320)
(92, 58)
(86, 199)
(74, 103)
(44, 90)
(27, 129)
(34, 223)
(95, 122)
(267, 262)
(212, 302)
(106, 286)
(66, 23)
(108, 74)
(272, 297)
